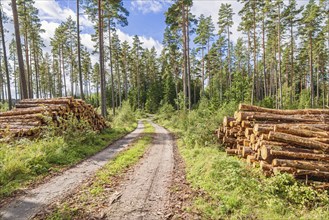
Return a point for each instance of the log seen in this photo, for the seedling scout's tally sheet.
(246, 151)
(265, 166)
(229, 140)
(299, 155)
(262, 129)
(248, 132)
(251, 159)
(277, 170)
(240, 116)
(252, 108)
(312, 173)
(264, 137)
(230, 152)
(301, 164)
(246, 124)
(300, 141)
(227, 120)
(252, 138)
(299, 131)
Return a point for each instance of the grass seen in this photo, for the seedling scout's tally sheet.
(233, 190)
(230, 188)
(94, 194)
(25, 161)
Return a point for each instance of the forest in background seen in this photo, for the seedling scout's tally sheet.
(281, 60)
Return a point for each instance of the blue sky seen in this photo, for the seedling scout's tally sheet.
(146, 19)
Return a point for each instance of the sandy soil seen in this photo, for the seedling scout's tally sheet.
(27, 206)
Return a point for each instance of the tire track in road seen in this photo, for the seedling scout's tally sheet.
(145, 192)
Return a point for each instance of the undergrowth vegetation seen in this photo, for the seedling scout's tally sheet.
(233, 189)
(24, 160)
(83, 205)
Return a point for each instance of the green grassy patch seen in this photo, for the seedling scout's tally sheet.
(231, 189)
(236, 191)
(91, 195)
(24, 161)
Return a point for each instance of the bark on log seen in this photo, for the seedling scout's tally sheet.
(296, 140)
(251, 159)
(227, 120)
(265, 166)
(257, 116)
(244, 107)
(299, 155)
(299, 131)
(301, 164)
(246, 151)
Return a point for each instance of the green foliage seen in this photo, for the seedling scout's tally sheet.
(125, 115)
(268, 102)
(305, 99)
(197, 125)
(166, 111)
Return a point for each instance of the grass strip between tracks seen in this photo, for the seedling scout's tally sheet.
(87, 202)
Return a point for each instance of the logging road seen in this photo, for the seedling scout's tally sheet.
(25, 207)
(142, 194)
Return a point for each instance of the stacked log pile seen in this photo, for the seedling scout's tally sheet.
(291, 141)
(31, 115)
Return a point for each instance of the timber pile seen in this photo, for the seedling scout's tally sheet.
(291, 141)
(31, 115)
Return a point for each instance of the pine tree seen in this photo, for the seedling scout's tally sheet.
(5, 57)
(225, 22)
(23, 82)
(310, 25)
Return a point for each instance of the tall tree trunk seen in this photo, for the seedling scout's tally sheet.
(311, 68)
(184, 54)
(79, 50)
(292, 93)
(279, 58)
(23, 83)
(101, 58)
(264, 56)
(64, 77)
(5, 59)
(202, 76)
(255, 55)
(15, 79)
(126, 75)
(73, 93)
(229, 57)
(111, 67)
(317, 84)
(188, 59)
(36, 67)
(117, 68)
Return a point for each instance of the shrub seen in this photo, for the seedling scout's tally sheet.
(125, 115)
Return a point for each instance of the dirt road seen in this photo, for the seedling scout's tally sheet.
(144, 194)
(28, 205)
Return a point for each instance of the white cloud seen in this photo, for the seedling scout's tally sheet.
(149, 6)
(211, 8)
(51, 10)
(148, 42)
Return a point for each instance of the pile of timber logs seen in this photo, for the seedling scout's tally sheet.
(291, 141)
(31, 115)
